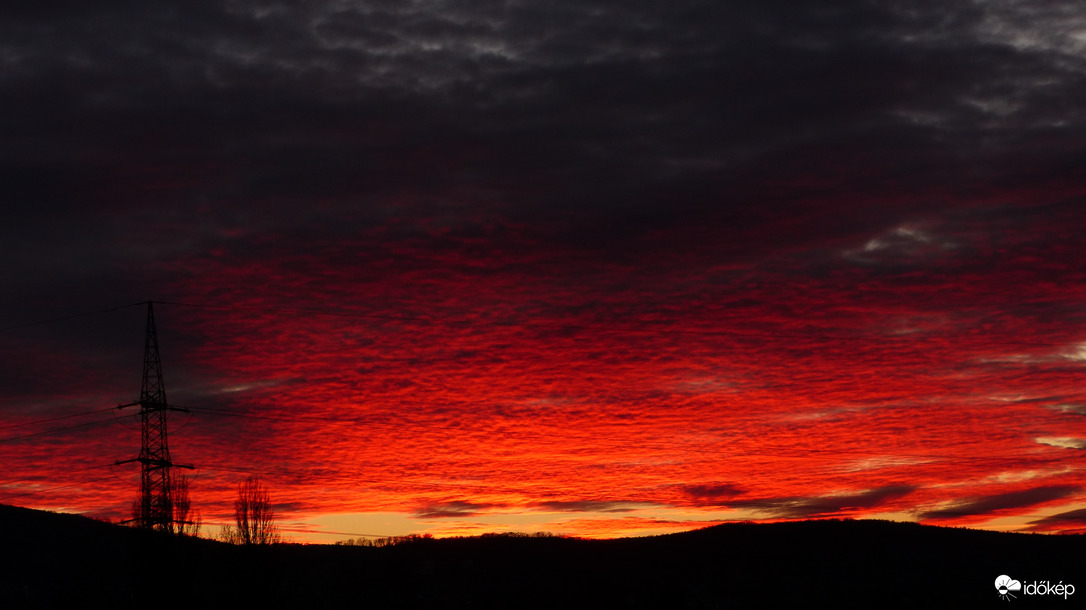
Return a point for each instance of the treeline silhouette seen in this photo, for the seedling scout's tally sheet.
(412, 538)
(59, 561)
(385, 541)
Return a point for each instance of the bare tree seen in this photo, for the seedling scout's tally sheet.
(186, 520)
(254, 519)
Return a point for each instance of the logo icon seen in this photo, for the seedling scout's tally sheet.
(1005, 584)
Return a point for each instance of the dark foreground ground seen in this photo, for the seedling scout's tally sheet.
(65, 561)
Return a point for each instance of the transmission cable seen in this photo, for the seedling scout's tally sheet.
(596, 328)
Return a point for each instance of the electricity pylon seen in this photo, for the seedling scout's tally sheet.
(156, 488)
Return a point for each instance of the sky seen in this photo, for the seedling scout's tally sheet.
(592, 268)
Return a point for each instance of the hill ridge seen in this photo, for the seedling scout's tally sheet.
(63, 560)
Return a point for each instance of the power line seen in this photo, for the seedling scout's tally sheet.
(52, 419)
(66, 471)
(591, 442)
(539, 325)
(70, 317)
(597, 328)
(55, 430)
(48, 489)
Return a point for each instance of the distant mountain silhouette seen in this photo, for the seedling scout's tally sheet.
(65, 561)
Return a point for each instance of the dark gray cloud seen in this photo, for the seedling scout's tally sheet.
(717, 111)
(454, 508)
(802, 507)
(593, 506)
(1069, 520)
(140, 135)
(720, 492)
(1010, 500)
(824, 506)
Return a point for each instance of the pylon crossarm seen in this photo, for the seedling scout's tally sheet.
(153, 407)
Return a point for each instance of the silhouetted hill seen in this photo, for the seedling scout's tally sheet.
(65, 561)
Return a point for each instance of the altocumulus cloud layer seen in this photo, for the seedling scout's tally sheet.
(627, 266)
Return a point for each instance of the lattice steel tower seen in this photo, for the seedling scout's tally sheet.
(156, 488)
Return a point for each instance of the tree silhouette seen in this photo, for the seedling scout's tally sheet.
(186, 520)
(254, 519)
